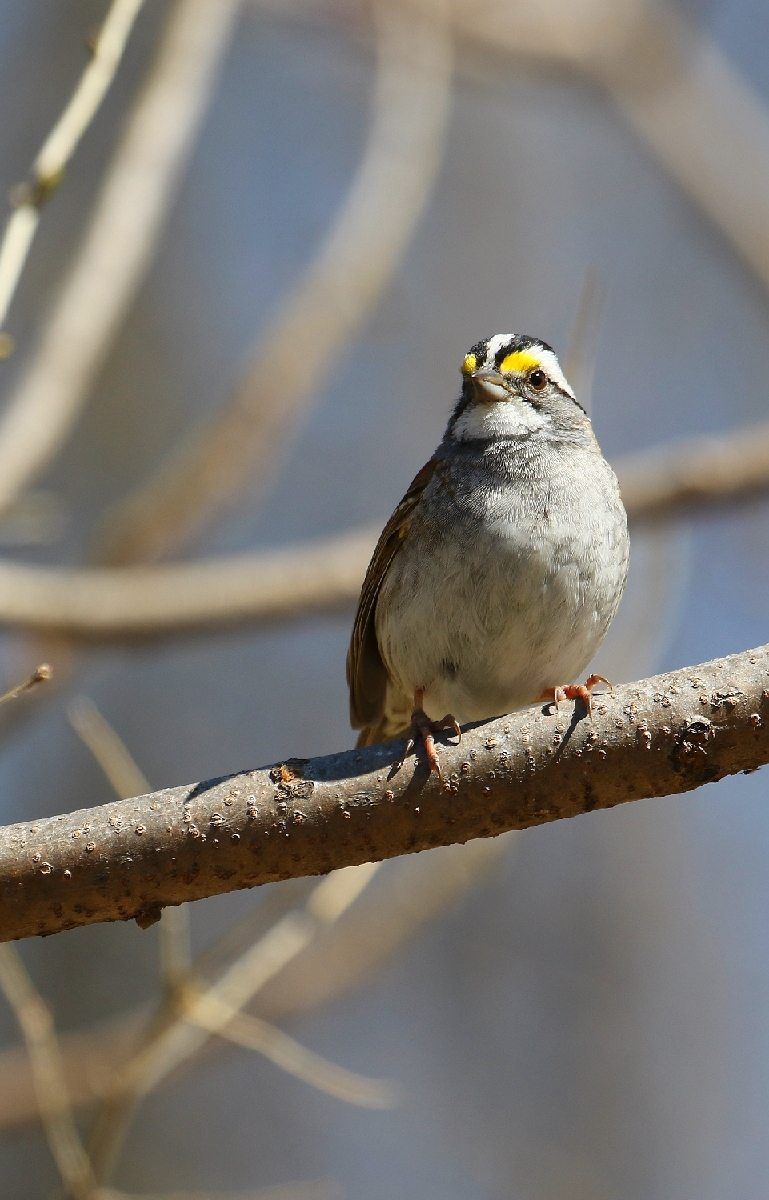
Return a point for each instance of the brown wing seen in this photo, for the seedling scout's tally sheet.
(366, 673)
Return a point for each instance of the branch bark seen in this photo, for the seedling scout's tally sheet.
(661, 736)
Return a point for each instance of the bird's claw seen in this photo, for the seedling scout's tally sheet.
(423, 727)
(576, 691)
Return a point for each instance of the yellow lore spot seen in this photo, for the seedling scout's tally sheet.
(518, 362)
(470, 364)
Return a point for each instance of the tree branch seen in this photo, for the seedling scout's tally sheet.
(664, 735)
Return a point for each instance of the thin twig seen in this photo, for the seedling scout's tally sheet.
(61, 144)
(240, 446)
(183, 1036)
(107, 52)
(41, 674)
(130, 211)
(123, 773)
(89, 1057)
(175, 938)
(51, 1092)
(107, 748)
(17, 242)
(254, 1033)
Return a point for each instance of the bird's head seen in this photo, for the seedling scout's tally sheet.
(512, 385)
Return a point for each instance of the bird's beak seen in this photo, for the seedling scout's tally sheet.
(490, 385)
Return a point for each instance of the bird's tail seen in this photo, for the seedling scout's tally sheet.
(384, 731)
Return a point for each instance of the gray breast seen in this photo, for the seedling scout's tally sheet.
(507, 580)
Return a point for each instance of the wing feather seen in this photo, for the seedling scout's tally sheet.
(366, 673)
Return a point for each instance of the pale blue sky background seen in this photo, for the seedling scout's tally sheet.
(593, 1021)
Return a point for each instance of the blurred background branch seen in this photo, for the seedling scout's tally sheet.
(679, 91)
(126, 601)
(177, 1035)
(241, 446)
(60, 145)
(128, 218)
(105, 603)
(51, 1094)
(318, 1190)
(369, 932)
(212, 1009)
(705, 123)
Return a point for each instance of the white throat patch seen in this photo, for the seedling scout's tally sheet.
(501, 418)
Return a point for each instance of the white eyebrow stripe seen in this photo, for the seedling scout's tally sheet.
(552, 369)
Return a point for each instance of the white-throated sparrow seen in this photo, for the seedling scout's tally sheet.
(497, 576)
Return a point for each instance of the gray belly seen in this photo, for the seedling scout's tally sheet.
(487, 615)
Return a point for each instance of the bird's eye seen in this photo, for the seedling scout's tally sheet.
(538, 379)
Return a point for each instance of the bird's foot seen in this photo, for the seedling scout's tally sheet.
(424, 728)
(576, 691)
